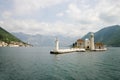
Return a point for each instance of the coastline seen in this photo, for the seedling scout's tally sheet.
(14, 44)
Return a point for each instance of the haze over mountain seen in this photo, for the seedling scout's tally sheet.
(45, 40)
(109, 35)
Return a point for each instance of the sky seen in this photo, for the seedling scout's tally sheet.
(58, 17)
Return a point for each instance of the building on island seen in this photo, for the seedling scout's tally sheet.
(80, 43)
(99, 45)
(79, 46)
(89, 44)
(56, 45)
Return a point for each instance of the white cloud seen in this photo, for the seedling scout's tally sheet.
(35, 27)
(73, 11)
(6, 14)
(80, 17)
(95, 13)
(60, 14)
(109, 11)
(31, 6)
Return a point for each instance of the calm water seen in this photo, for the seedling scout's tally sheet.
(38, 64)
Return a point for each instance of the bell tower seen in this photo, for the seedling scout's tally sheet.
(92, 45)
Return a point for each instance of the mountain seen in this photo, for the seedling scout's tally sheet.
(44, 40)
(110, 35)
(7, 37)
(86, 36)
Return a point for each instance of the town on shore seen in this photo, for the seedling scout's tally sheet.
(14, 44)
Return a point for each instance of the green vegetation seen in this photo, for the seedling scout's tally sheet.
(7, 37)
(110, 36)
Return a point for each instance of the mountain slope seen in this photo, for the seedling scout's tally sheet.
(109, 35)
(86, 36)
(7, 37)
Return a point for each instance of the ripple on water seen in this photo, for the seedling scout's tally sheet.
(39, 64)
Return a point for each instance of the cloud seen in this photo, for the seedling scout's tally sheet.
(109, 18)
(43, 28)
(94, 13)
(31, 6)
(73, 11)
(60, 14)
(76, 18)
(6, 14)
(86, 16)
(109, 12)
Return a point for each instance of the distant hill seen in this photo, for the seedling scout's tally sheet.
(36, 40)
(108, 35)
(45, 40)
(7, 37)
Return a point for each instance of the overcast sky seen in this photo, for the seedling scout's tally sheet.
(58, 17)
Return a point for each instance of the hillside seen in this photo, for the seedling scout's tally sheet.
(108, 35)
(7, 39)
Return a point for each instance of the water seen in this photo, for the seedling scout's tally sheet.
(36, 63)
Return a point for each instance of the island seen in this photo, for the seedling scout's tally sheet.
(80, 46)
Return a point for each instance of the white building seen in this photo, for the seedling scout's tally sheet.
(56, 45)
(92, 44)
(87, 44)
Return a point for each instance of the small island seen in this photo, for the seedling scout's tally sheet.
(80, 46)
(89, 44)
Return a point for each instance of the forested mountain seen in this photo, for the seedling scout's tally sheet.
(110, 36)
(7, 37)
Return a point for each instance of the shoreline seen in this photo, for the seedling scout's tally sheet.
(14, 44)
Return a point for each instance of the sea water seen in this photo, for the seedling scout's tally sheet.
(36, 63)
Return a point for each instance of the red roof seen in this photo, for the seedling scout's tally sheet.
(80, 40)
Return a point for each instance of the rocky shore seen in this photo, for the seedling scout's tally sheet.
(14, 44)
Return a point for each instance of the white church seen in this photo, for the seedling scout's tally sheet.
(80, 46)
(89, 44)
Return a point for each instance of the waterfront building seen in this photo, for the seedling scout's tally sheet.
(89, 44)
